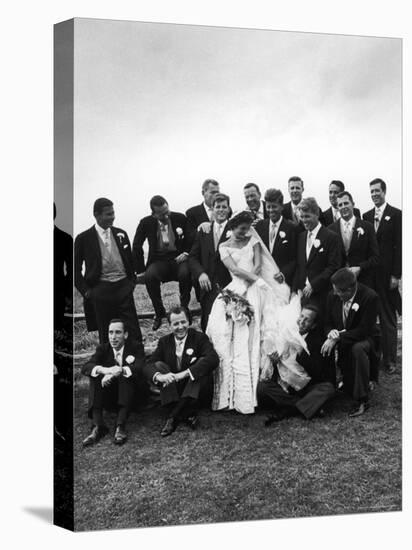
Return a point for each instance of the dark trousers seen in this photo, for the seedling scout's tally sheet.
(118, 394)
(206, 301)
(115, 300)
(307, 401)
(354, 362)
(162, 271)
(184, 398)
(389, 303)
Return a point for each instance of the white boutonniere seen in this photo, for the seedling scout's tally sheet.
(228, 233)
(125, 246)
(321, 250)
(179, 231)
(387, 218)
(193, 360)
(121, 236)
(360, 231)
(316, 243)
(282, 234)
(130, 359)
(189, 351)
(284, 242)
(355, 306)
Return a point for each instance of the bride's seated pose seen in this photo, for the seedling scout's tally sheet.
(251, 319)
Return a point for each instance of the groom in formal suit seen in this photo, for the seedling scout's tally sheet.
(182, 365)
(168, 252)
(279, 235)
(387, 222)
(318, 255)
(108, 281)
(114, 370)
(358, 241)
(308, 401)
(204, 258)
(350, 326)
(290, 209)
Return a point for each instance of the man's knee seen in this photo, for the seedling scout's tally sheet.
(152, 274)
(360, 348)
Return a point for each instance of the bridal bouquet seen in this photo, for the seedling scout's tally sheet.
(236, 306)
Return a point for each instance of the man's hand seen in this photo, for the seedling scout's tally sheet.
(181, 258)
(327, 347)
(279, 277)
(181, 375)
(334, 334)
(116, 370)
(274, 357)
(204, 282)
(394, 283)
(204, 227)
(107, 379)
(355, 270)
(165, 379)
(307, 291)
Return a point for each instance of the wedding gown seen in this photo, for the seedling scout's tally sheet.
(244, 348)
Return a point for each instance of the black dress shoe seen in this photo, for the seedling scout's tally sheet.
(157, 323)
(359, 410)
(192, 421)
(120, 436)
(95, 435)
(275, 417)
(169, 427)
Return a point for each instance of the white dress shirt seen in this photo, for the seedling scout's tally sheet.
(347, 228)
(104, 235)
(378, 215)
(310, 239)
(335, 214)
(209, 211)
(118, 355)
(218, 229)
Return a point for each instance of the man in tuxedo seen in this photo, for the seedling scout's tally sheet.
(387, 222)
(358, 241)
(182, 365)
(63, 273)
(285, 401)
(332, 214)
(202, 212)
(318, 255)
(350, 324)
(113, 372)
(168, 252)
(290, 209)
(279, 236)
(254, 203)
(108, 281)
(204, 258)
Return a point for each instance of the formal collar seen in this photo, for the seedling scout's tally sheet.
(209, 210)
(121, 351)
(350, 224)
(258, 213)
(100, 231)
(181, 342)
(277, 224)
(315, 231)
(381, 208)
(221, 225)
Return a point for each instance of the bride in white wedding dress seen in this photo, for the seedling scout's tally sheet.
(244, 346)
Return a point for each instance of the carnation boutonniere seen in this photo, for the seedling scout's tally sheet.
(387, 218)
(189, 351)
(284, 242)
(316, 243)
(130, 359)
(179, 231)
(360, 231)
(355, 306)
(121, 236)
(321, 250)
(282, 234)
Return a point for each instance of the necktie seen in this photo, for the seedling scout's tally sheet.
(164, 229)
(295, 214)
(377, 218)
(106, 238)
(218, 233)
(119, 358)
(179, 353)
(346, 308)
(309, 244)
(272, 236)
(346, 236)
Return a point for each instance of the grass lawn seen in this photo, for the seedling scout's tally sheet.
(233, 468)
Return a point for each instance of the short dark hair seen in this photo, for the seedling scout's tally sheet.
(343, 193)
(119, 321)
(312, 307)
(220, 197)
(158, 201)
(206, 183)
(274, 195)
(344, 278)
(177, 310)
(241, 217)
(100, 204)
(309, 205)
(249, 185)
(339, 184)
(296, 179)
(379, 180)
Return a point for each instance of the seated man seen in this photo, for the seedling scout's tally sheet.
(182, 365)
(166, 234)
(351, 314)
(308, 401)
(113, 370)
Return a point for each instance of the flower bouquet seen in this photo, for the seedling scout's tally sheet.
(237, 307)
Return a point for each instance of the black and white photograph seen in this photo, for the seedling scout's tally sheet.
(237, 226)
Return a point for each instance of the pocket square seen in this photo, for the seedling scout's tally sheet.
(284, 242)
(125, 246)
(193, 360)
(321, 250)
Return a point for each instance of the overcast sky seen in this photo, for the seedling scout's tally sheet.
(159, 108)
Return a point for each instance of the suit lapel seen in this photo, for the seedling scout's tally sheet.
(352, 312)
(187, 357)
(355, 235)
(94, 241)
